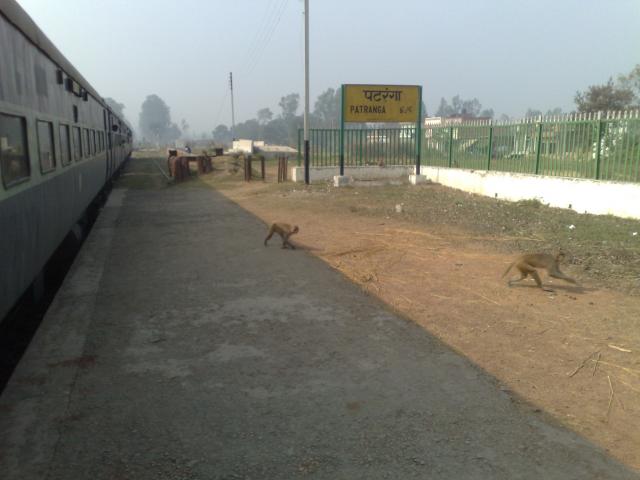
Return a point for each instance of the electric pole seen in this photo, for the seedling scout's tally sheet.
(306, 92)
(233, 115)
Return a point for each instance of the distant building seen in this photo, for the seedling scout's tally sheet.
(259, 146)
(431, 122)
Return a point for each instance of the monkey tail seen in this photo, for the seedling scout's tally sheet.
(509, 268)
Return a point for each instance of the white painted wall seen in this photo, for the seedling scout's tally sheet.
(583, 196)
(358, 173)
(242, 145)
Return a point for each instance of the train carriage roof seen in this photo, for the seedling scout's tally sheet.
(23, 22)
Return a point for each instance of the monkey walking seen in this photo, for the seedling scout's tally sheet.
(285, 231)
(528, 263)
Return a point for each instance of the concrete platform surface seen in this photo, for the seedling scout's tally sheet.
(180, 347)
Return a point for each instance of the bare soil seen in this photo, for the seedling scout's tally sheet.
(574, 354)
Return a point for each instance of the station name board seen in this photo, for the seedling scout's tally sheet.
(381, 103)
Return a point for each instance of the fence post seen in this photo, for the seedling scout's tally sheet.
(342, 89)
(299, 147)
(418, 136)
(490, 146)
(538, 145)
(599, 145)
(450, 146)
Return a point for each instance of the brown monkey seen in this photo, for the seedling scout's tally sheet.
(285, 231)
(528, 263)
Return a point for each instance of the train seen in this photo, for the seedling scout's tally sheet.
(60, 148)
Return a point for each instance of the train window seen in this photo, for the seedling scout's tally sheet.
(65, 144)
(77, 144)
(46, 150)
(85, 143)
(93, 141)
(14, 157)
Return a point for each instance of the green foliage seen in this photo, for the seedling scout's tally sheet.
(289, 105)
(118, 109)
(327, 109)
(631, 81)
(155, 121)
(600, 98)
(265, 115)
(532, 113)
(221, 134)
(462, 108)
(248, 129)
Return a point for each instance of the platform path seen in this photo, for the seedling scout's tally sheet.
(181, 348)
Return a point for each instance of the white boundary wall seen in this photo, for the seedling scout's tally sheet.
(583, 196)
(359, 173)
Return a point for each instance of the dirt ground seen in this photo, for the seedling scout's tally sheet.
(574, 354)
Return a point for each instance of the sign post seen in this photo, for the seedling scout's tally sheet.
(419, 133)
(342, 131)
(380, 104)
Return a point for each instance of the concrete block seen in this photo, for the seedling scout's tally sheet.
(416, 179)
(341, 180)
(368, 172)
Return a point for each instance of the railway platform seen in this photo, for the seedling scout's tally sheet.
(179, 347)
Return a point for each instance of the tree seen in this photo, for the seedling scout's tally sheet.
(265, 115)
(155, 121)
(532, 113)
(461, 108)
(631, 82)
(117, 108)
(185, 127)
(172, 133)
(327, 108)
(289, 105)
(248, 129)
(554, 111)
(487, 112)
(221, 134)
(604, 97)
(444, 110)
(276, 131)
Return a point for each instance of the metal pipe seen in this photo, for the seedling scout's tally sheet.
(306, 92)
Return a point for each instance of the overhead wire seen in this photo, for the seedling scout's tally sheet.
(258, 56)
(268, 18)
(222, 104)
(259, 43)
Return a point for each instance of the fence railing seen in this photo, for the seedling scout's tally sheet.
(379, 146)
(602, 146)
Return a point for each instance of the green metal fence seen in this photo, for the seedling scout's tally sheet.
(599, 146)
(379, 146)
(602, 146)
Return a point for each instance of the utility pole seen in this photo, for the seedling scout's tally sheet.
(306, 92)
(233, 115)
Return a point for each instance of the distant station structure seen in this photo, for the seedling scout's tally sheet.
(259, 147)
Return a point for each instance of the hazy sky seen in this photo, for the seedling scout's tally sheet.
(510, 54)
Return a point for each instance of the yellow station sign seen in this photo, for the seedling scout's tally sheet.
(381, 103)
